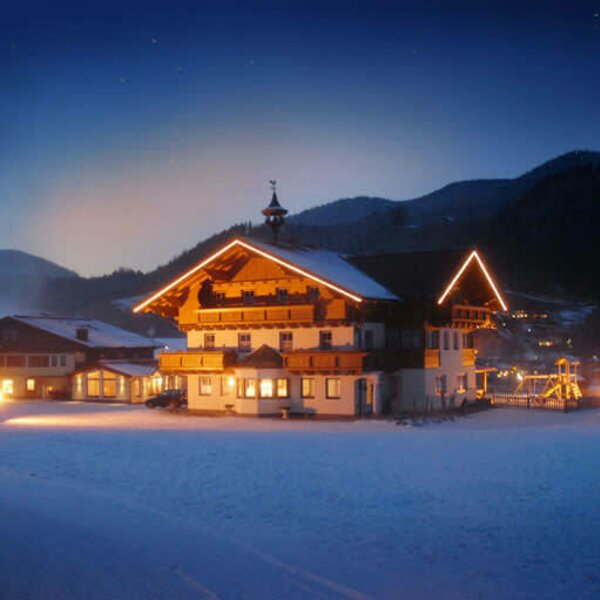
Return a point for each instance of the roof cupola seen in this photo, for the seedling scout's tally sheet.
(274, 213)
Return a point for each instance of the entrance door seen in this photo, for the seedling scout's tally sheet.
(364, 397)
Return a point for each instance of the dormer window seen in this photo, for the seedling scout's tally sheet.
(82, 334)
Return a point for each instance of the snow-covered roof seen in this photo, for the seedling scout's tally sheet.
(332, 266)
(328, 268)
(130, 369)
(100, 334)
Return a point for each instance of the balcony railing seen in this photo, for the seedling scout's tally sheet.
(189, 362)
(256, 314)
(324, 360)
(467, 316)
(266, 300)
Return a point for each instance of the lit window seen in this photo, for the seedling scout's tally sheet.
(156, 384)
(31, 385)
(308, 387)
(286, 341)
(93, 384)
(266, 388)
(137, 388)
(209, 341)
(325, 340)
(283, 390)
(461, 382)
(204, 385)
(244, 342)
(250, 388)
(227, 385)
(109, 384)
(333, 388)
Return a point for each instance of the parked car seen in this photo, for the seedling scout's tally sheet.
(168, 398)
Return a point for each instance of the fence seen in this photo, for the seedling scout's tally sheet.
(529, 401)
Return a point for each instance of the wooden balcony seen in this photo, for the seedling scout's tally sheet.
(468, 357)
(325, 361)
(194, 362)
(471, 317)
(253, 315)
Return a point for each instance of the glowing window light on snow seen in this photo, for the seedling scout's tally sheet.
(474, 256)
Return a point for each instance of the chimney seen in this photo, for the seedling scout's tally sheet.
(83, 334)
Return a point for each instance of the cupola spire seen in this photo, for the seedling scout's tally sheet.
(274, 213)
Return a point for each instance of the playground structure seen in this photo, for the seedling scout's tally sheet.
(562, 385)
(555, 391)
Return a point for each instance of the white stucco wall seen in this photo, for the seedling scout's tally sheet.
(417, 389)
(346, 405)
(304, 338)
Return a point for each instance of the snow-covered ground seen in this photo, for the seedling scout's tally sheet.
(107, 501)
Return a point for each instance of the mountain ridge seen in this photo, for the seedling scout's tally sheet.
(459, 214)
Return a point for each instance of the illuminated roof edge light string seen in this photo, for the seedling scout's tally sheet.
(474, 255)
(237, 242)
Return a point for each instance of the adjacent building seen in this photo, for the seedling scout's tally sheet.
(40, 353)
(119, 381)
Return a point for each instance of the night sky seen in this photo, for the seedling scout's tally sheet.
(130, 131)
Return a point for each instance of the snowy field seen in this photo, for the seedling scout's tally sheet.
(105, 501)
